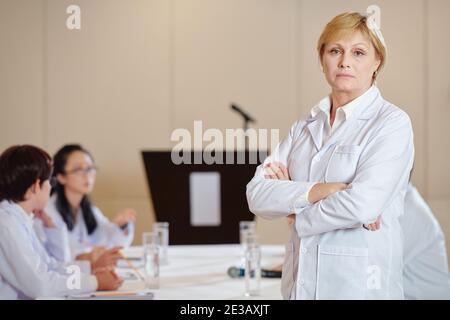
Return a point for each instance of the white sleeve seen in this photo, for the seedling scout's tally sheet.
(425, 273)
(270, 198)
(84, 265)
(57, 243)
(112, 234)
(55, 240)
(24, 269)
(61, 267)
(382, 173)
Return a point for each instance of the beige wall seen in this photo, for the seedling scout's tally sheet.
(140, 68)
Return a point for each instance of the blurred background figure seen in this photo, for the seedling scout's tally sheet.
(425, 261)
(26, 269)
(82, 231)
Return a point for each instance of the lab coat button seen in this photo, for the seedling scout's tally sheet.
(304, 250)
(301, 282)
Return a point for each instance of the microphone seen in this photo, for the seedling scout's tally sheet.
(236, 272)
(244, 114)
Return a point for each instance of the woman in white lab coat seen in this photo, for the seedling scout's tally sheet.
(425, 256)
(26, 270)
(345, 167)
(85, 230)
(425, 271)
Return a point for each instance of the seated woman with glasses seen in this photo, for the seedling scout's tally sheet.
(71, 227)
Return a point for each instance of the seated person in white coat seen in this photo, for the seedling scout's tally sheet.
(86, 232)
(26, 270)
(425, 273)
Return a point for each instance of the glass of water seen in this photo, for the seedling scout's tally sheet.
(252, 269)
(246, 229)
(150, 248)
(161, 229)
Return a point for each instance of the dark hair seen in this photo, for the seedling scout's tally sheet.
(62, 204)
(20, 167)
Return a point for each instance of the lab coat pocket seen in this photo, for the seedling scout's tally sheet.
(288, 275)
(342, 164)
(341, 272)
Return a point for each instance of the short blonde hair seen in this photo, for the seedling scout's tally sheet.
(344, 24)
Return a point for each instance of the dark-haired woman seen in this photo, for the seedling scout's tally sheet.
(86, 231)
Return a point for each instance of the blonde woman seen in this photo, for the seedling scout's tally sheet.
(341, 173)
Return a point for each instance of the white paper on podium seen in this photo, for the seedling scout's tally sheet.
(205, 199)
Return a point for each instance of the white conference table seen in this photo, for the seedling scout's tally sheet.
(199, 272)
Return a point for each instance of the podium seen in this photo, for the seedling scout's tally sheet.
(203, 203)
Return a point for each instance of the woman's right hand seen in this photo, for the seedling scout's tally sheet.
(107, 280)
(108, 258)
(93, 255)
(321, 191)
(124, 217)
(96, 253)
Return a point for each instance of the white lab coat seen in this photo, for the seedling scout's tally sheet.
(425, 256)
(65, 245)
(337, 258)
(26, 270)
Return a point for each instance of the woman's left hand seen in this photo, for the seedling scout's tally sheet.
(45, 218)
(374, 226)
(125, 216)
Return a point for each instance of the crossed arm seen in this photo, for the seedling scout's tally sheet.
(382, 173)
(320, 191)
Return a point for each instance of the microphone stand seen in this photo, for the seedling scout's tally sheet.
(247, 119)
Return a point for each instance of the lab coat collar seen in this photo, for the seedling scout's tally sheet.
(17, 211)
(315, 126)
(350, 108)
(370, 107)
(363, 107)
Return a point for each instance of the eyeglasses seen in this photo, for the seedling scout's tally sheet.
(83, 171)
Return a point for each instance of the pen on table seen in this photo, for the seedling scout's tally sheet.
(132, 267)
(112, 294)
